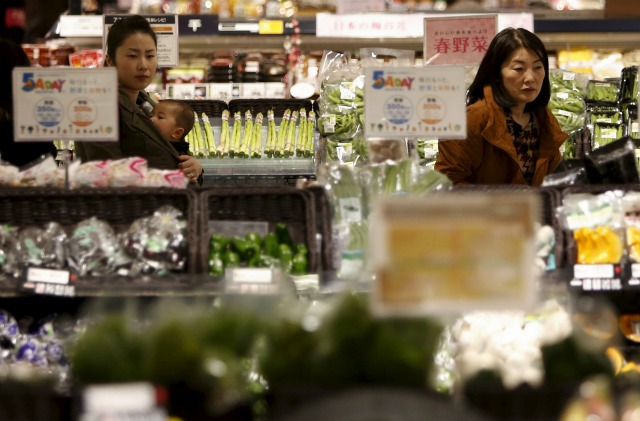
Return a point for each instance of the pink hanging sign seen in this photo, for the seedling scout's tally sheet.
(459, 40)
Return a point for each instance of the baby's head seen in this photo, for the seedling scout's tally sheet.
(173, 118)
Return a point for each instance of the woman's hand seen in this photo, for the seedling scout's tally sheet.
(191, 167)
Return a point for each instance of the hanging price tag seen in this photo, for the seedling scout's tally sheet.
(122, 402)
(49, 282)
(605, 277)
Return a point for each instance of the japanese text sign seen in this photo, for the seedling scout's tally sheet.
(166, 30)
(65, 104)
(454, 252)
(414, 102)
(458, 40)
(369, 25)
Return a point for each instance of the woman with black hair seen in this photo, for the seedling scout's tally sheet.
(132, 50)
(512, 137)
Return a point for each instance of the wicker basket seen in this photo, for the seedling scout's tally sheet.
(273, 204)
(211, 107)
(22, 207)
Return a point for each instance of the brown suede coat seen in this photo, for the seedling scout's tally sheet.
(487, 155)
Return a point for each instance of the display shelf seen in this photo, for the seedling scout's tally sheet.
(262, 166)
(557, 30)
(176, 286)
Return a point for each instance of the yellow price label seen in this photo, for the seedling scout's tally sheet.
(271, 27)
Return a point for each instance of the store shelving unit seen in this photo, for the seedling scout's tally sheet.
(558, 30)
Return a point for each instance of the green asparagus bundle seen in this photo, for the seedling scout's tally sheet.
(234, 149)
(256, 145)
(199, 146)
(278, 150)
(208, 135)
(302, 133)
(310, 128)
(190, 138)
(223, 145)
(271, 134)
(247, 135)
(290, 138)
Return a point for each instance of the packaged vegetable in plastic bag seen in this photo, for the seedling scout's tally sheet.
(352, 151)
(350, 217)
(567, 103)
(597, 225)
(92, 246)
(381, 150)
(158, 243)
(42, 247)
(340, 118)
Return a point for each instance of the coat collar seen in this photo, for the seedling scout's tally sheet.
(497, 133)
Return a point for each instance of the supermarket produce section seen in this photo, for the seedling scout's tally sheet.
(127, 294)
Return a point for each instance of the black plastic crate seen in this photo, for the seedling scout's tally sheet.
(211, 107)
(550, 199)
(120, 207)
(272, 204)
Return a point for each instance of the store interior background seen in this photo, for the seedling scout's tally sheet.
(600, 54)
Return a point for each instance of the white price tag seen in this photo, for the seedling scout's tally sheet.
(221, 91)
(252, 90)
(119, 398)
(593, 271)
(151, 415)
(48, 276)
(80, 26)
(359, 6)
(250, 275)
(253, 281)
(275, 90)
(601, 284)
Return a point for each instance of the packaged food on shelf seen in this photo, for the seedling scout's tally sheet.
(602, 92)
(52, 53)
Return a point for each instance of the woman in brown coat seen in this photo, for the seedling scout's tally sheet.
(512, 137)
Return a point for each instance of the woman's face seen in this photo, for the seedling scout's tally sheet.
(136, 62)
(522, 76)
